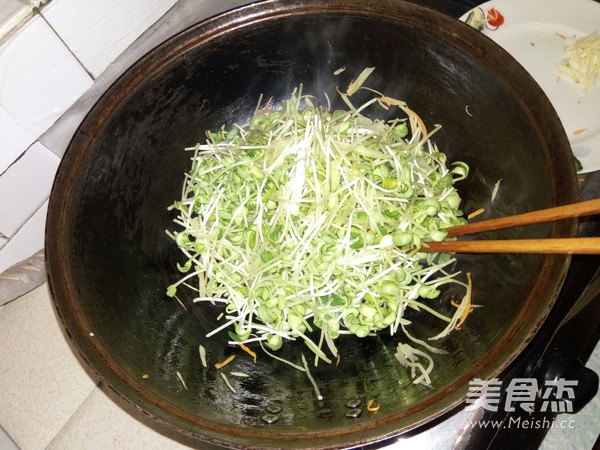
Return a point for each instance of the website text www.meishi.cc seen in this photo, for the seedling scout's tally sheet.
(524, 424)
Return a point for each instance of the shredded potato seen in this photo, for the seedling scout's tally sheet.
(582, 64)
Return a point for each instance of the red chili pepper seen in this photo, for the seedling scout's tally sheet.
(494, 18)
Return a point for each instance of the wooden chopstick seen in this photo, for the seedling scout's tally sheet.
(569, 246)
(544, 215)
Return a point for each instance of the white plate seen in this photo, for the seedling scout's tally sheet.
(531, 33)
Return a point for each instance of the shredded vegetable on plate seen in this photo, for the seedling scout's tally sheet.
(305, 224)
(582, 62)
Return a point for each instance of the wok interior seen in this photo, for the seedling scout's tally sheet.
(126, 167)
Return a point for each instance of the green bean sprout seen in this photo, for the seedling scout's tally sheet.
(306, 224)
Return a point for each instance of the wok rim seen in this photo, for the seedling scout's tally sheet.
(64, 292)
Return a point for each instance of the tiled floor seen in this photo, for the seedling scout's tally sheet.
(104, 424)
(6, 442)
(42, 382)
(49, 401)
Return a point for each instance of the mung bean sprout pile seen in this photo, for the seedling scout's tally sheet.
(307, 223)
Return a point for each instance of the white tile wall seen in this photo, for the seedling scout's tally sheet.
(14, 140)
(98, 31)
(58, 137)
(40, 78)
(25, 186)
(185, 14)
(28, 240)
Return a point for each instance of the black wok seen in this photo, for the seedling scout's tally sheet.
(109, 259)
